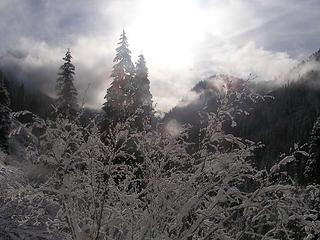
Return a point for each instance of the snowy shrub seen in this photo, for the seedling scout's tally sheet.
(215, 193)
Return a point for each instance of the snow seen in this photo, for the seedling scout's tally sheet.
(286, 160)
(275, 168)
(88, 192)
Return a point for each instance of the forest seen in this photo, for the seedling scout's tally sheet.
(241, 161)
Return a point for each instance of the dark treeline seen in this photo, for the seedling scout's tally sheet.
(4, 114)
(281, 122)
(23, 98)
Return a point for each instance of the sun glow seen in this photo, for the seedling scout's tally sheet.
(167, 30)
(172, 35)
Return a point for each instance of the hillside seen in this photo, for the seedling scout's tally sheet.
(277, 122)
(26, 98)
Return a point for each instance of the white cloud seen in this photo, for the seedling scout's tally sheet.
(240, 61)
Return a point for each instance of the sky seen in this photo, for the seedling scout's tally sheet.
(184, 41)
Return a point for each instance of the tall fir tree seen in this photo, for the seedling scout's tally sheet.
(312, 171)
(123, 98)
(4, 114)
(118, 94)
(67, 104)
(141, 95)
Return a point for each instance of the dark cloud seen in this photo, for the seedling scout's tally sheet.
(18, 67)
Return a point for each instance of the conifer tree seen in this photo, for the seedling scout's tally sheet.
(124, 98)
(142, 98)
(4, 114)
(118, 94)
(313, 164)
(67, 93)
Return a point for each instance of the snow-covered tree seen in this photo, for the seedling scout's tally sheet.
(123, 104)
(67, 93)
(25, 211)
(313, 164)
(216, 194)
(4, 114)
(118, 96)
(80, 177)
(141, 95)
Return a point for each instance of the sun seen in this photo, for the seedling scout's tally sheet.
(166, 30)
(171, 35)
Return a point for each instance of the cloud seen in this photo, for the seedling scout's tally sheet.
(235, 36)
(242, 60)
(32, 62)
(219, 56)
(287, 26)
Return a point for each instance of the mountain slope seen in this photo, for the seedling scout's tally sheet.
(278, 123)
(31, 99)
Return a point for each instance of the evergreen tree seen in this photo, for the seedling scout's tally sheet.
(312, 171)
(142, 98)
(4, 115)
(118, 94)
(67, 93)
(129, 92)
